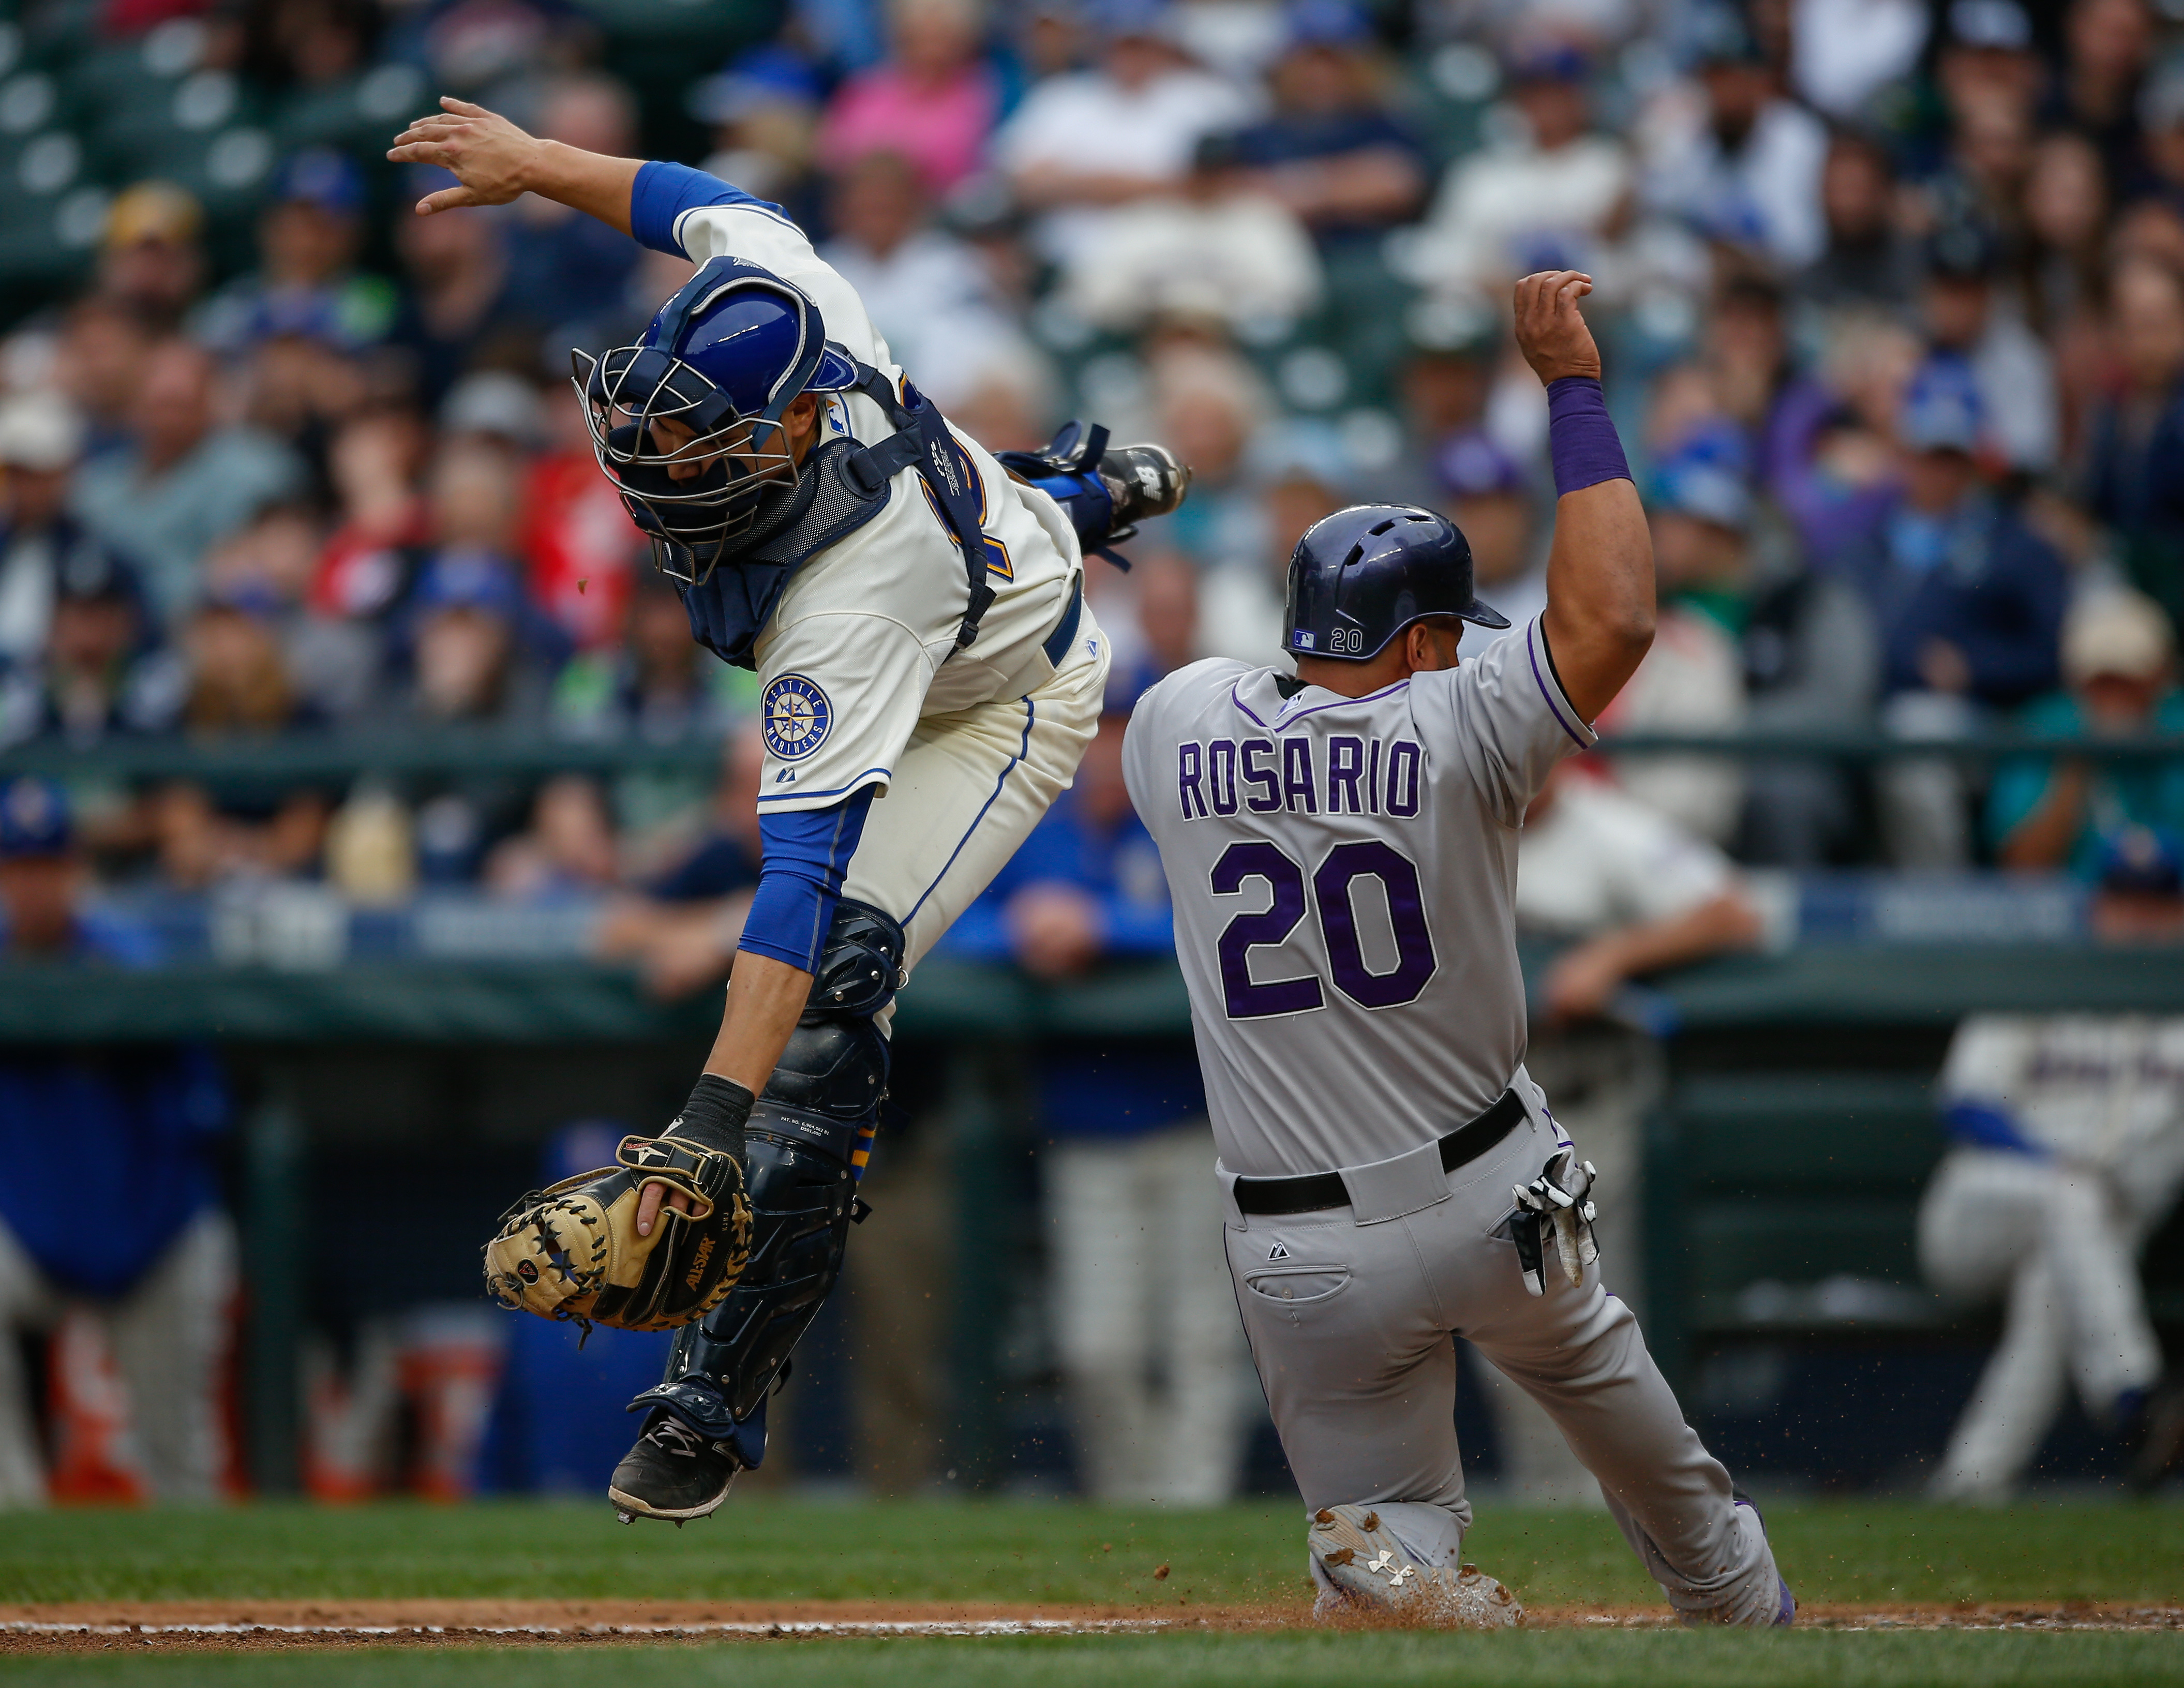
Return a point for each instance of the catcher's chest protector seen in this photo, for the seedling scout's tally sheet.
(572, 1251)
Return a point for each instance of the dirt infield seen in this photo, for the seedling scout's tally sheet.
(238, 1626)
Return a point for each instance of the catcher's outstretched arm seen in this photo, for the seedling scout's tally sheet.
(495, 162)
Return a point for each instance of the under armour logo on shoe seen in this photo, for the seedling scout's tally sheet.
(675, 1438)
(1278, 1252)
(1386, 1558)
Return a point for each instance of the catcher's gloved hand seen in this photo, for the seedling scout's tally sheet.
(573, 1251)
(1559, 1199)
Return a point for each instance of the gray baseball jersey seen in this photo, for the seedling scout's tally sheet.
(1344, 875)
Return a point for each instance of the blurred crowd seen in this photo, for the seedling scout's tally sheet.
(1891, 295)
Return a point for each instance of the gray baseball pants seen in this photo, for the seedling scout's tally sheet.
(1350, 1312)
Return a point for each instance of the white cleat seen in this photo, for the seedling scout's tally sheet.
(1372, 1573)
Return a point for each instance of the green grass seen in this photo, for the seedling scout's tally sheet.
(1836, 1551)
(1546, 1660)
(762, 1549)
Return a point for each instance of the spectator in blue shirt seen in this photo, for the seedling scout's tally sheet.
(1140, 1290)
(1969, 601)
(158, 1270)
(2047, 814)
(1330, 152)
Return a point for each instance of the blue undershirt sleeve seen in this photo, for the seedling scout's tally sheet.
(662, 192)
(806, 853)
(1985, 1126)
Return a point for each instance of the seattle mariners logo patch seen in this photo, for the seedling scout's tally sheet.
(796, 716)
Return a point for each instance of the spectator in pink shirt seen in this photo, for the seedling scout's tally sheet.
(934, 101)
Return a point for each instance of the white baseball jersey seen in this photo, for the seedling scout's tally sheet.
(1344, 875)
(2101, 1089)
(862, 644)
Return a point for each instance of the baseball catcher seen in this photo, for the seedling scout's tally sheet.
(930, 673)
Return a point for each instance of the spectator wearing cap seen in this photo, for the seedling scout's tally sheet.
(457, 294)
(1866, 261)
(565, 267)
(1969, 601)
(1127, 129)
(100, 672)
(1330, 152)
(477, 649)
(1445, 384)
(40, 443)
(2013, 374)
(157, 1273)
(2061, 813)
(2135, 457)
(152, 262)
(1486, 494)
(183, 482)
(764, 112)
(1746, 170)
(933, 101)
(1546, 198)
(307, 285)
(1810, 651)
(1242, 600)
(1145, 1317)
(1987, 54)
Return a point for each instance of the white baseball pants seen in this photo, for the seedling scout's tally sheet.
(2063, 1252)
(968, 791)
(1350, 1316)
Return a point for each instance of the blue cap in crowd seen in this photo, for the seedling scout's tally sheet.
(1327, 22)
(2142, 861)
(34, 818)
(1472, 466)
(763, 78)
(322, 177)
(1706, 489)
(469, 580)
(1115, 18)
(1941, 409)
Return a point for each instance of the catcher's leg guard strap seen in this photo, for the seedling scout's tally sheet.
(800, 1203)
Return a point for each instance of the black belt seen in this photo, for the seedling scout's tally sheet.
(1065, 630)
(1312, 1191)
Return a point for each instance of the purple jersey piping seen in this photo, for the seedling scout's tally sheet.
(1384, 690)
(1548, 692)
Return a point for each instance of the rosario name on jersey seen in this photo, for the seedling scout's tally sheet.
(1344, 875)
(862, 643)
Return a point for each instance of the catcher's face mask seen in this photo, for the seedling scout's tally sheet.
(688, 423)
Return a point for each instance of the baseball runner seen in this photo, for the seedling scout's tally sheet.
(930, 674)
(2068, 1153)
(1341, 850)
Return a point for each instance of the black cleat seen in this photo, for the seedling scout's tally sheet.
(673, 1472)
(1144, 481)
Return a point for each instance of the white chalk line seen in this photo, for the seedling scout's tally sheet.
(834, 1626)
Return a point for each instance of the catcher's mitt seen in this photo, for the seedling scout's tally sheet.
(572, 1251)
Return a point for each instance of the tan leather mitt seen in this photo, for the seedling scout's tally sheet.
(572, 1251)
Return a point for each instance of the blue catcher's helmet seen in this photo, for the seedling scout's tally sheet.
(718, 365)
(1359, 576)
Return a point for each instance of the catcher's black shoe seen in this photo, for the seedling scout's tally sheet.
(672, 1472)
